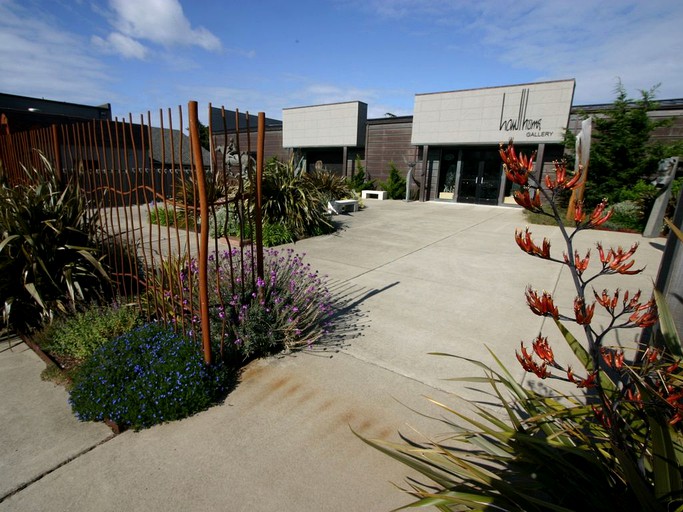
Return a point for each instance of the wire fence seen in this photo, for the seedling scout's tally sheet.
(165, 206)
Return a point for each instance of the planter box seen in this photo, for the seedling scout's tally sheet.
(445, 195)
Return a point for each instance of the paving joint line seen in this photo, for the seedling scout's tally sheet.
(47, 472)
(462, 230)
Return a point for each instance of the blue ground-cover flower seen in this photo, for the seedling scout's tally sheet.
(149, 375)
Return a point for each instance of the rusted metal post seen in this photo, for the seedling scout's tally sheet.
(260, 148)
(204, 230)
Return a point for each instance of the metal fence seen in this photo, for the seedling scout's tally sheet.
(164, 205)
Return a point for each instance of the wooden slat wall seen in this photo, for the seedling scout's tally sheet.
(388, 142)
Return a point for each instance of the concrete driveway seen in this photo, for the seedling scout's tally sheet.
(413, 278)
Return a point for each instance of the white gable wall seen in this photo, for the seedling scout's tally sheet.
(331, 125)
(528, 113)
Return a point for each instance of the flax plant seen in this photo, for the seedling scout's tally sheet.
(49, 260)
(614, 444)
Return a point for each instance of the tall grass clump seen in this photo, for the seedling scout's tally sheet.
(292, 199)
(49, 261)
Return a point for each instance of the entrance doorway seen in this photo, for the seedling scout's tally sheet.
(480, 176)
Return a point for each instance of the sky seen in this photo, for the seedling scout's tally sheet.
(266, 55)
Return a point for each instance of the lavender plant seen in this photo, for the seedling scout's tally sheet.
(290, 307)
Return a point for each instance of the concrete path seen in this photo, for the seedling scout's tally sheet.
(414, 278)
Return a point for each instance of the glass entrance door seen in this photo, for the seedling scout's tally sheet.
(480, 177)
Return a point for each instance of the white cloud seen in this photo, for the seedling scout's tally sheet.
(38, 58)
(594, 42)
(159, 21)
(123, 45)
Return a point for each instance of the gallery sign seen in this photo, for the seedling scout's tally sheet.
(528, 113)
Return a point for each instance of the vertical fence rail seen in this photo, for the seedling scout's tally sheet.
(204, 229)
(130, 171)
(259, 180)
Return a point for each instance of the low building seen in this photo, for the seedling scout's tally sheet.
(22, 113)
(452, 139)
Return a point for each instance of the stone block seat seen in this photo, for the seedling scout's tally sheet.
(374, 194)
(342, 206)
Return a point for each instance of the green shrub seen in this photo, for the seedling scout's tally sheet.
(78, 336)
(673, 200)
(360, 180)
(273, 233)
(186, 192)
(395, 185)
(49, 261)
(277, 234)
(147, 376)
(626, 215)
(330, 185)
(622, 149)
(166, 215)
(125, 267)
(226, 222)
(290, 198)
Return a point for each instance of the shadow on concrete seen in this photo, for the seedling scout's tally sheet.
(348, 320)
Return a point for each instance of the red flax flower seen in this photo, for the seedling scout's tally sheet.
(599, 217)
(543, 305)
(579, 264)
(543, 350)
(583, 313)
(613, 358)
(609, 302)
(633, 396)
(517, 167)
(588, 382)
(531, 366)
(561, 177)
(633, 304)
(676, 401)
(525, 243)
(645, 315)
(574, 181)
(652, 354)
(602, 417)
(524, 199)
(616, 261)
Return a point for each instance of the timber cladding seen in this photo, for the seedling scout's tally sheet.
(388, 140)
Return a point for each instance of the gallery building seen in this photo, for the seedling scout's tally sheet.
(450, 143)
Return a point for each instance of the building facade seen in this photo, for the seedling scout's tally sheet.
(452, 139)
(450, 143)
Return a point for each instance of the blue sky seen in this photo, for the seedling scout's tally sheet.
(263, 55)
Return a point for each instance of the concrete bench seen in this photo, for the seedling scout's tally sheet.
(374, 194)
(342, 205)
